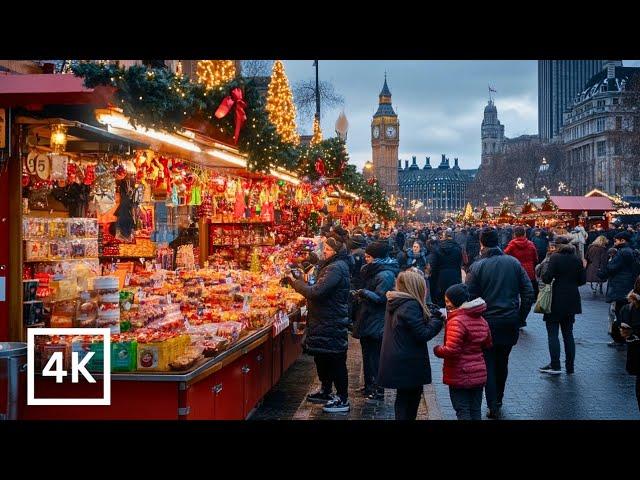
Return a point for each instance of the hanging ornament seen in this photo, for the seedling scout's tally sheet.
(220, 184)
(319, 166)
(26, 179)
(234, 99)
(121, 172)
(72, 172)
(89, 174)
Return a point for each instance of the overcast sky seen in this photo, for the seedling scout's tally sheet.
(439, 103)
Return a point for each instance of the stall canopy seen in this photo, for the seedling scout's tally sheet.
(43, 89)
(590, 204)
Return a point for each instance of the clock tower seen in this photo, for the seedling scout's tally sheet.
(385, 139)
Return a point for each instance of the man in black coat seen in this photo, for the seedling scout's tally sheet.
(505, 287)
(327, 324)
(566, 271)
(378, 277)
(400, 238)
(446, 266)
(357, 244)
(620, 274)
(540, 240)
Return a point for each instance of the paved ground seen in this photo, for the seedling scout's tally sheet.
(286, 401)
(600, 388)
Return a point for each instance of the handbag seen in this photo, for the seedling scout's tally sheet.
(545, 296)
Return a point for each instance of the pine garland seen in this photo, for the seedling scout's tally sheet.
(157, 98)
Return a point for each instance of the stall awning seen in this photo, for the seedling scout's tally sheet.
(47, 89)
(81, 133)
(590, 204)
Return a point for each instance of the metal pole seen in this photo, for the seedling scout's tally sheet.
(317, 93)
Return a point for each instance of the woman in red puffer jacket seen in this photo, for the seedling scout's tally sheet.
(526, 253)
(466, 335)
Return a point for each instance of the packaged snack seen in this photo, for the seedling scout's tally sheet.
(77, 227)
(32, 312)
(63, 313)
(90, 248)
(87, 312)
(29, 290)
(36, 250)
(56, 344)
(124, 356)
(58, 228)
(78, 249)
(91, 227)
(187, 359)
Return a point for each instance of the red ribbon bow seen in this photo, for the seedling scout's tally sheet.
(225, 107)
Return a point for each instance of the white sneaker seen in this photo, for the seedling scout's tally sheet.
(337, 406)
(550, 370)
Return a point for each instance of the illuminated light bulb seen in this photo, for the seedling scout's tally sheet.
(58, 140)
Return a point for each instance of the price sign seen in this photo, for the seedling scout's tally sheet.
(43, 166)
(31, 162)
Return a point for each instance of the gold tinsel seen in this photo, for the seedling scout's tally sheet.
(280, 106)
(213, 73)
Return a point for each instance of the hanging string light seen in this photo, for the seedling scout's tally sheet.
(214, 73)
(317, 132)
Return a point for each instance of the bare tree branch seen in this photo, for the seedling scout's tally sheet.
(256, 68)
(304, 96)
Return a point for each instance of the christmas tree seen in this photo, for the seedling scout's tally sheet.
(317, 132)
(255, 262)
(485, 213)
(214, 73)
(282, 111)
(468, 212)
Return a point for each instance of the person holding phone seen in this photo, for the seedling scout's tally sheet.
(327, 324)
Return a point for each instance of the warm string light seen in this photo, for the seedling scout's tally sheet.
(280, 106)
(214, 73)
(317, 133)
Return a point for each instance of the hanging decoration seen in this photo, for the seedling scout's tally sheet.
(280, 106)
(215, 73)
(234, 99)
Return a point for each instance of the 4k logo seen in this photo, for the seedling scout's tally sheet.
(55, 367)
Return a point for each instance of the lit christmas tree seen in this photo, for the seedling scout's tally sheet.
(214, 73)
(317, 132)
(282, 111)
(468, 212)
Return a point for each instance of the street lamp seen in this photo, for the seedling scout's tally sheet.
(368, 165)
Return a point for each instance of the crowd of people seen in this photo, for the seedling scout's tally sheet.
(395, 290)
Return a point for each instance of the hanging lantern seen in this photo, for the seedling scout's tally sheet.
(58, 140)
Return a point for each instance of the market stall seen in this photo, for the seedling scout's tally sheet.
(138, 211)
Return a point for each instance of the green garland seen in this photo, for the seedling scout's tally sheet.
(157, 98)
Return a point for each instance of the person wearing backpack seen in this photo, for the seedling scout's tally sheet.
(620, 272)
(630, 331)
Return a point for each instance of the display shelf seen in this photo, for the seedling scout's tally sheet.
(58, 260)
(240, 223)
(244, 245)
(127, 256)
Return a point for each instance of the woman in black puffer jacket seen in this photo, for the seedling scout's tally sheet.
(327, 324)
(404, 360)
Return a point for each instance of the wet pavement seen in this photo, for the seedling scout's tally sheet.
(600, 389)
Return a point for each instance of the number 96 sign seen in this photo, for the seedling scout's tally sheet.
(55, 367)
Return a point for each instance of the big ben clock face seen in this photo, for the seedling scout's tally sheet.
(376, 131)
(391, 132)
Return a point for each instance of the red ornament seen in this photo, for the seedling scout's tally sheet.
(72, 172)
(220, 184)
(320, 168)
(89, 174)
(121, 172)
(235, 99)
(26, 179)
(371, 181)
